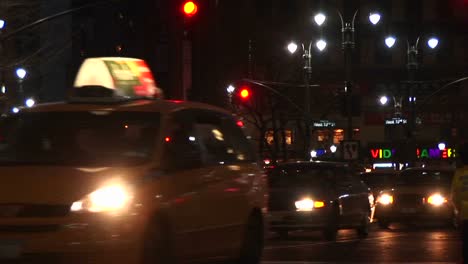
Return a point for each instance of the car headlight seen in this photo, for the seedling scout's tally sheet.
(385, 199)
(308, 204)
(436, 199)
(109, 198)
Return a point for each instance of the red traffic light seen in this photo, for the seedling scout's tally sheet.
(244, 93)
(190, 8)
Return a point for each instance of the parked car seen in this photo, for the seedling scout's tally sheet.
(417, 195)
(323, 196)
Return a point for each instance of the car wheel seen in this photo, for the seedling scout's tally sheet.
(363, 229)
(384, 224)
(157, 246)
(252, 245)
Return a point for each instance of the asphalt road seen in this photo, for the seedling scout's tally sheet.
(399, 244)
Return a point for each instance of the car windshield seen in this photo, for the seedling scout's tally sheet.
(424, 177)
(300, 176)
(78, 138)
(377, 179)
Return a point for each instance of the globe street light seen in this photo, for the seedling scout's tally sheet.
(374, 18)
(441, 146)
(2, 24)
(348, 46)
(383, 100)
(292, 47)
(321, 44)
(390, 41)
(433, 42)
(320, 19)
(21, 74)
(30, 102)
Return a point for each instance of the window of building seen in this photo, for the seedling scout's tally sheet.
(323, 135)
(338, 136)
(269, 137)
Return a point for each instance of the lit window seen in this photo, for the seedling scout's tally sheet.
(288, 135)
(269, 137)
(323, 135)
(338, 136)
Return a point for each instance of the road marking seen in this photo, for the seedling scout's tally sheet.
(330, 242)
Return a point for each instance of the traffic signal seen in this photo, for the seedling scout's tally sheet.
(189, 8)
(245, 93)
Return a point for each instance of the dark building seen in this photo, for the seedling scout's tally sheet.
(198, 57)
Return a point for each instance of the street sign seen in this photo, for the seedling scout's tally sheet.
(350, 149)
(323, 124)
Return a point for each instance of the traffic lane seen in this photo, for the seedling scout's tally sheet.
(400, 244)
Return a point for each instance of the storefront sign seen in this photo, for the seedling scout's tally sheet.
(435, 153)
(427, 153)
(382, 153)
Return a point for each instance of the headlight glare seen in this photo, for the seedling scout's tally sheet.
(308, 204)
(304, 205)
(385, 199)
(436, 200)
(106, 199)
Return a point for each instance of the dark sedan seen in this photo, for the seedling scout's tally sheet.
(324, 196)
(417, 195)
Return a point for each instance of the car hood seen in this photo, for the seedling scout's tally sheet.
(300, 192)
(421, 189)
(58, 185)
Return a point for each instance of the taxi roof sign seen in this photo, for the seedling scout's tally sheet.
(127, 77)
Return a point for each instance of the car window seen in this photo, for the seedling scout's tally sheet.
(221, 143)
(377, 179)
(301, 176)
(424, 177)
(79, 138)
(182, 149)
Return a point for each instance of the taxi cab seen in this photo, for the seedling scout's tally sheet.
(108, 178)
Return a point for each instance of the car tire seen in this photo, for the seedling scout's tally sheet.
(384, 224)
(157, 246)
(363, 229)
(252, 244)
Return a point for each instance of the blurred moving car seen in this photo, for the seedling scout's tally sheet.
(417, 195)
(105, 177)
(324, 196)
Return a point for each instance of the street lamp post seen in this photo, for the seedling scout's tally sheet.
(2, 70)
(21, 74)
(307, 57)
(412, 65)
(348, 46)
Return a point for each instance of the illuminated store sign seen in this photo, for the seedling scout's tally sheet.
(429, 153)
